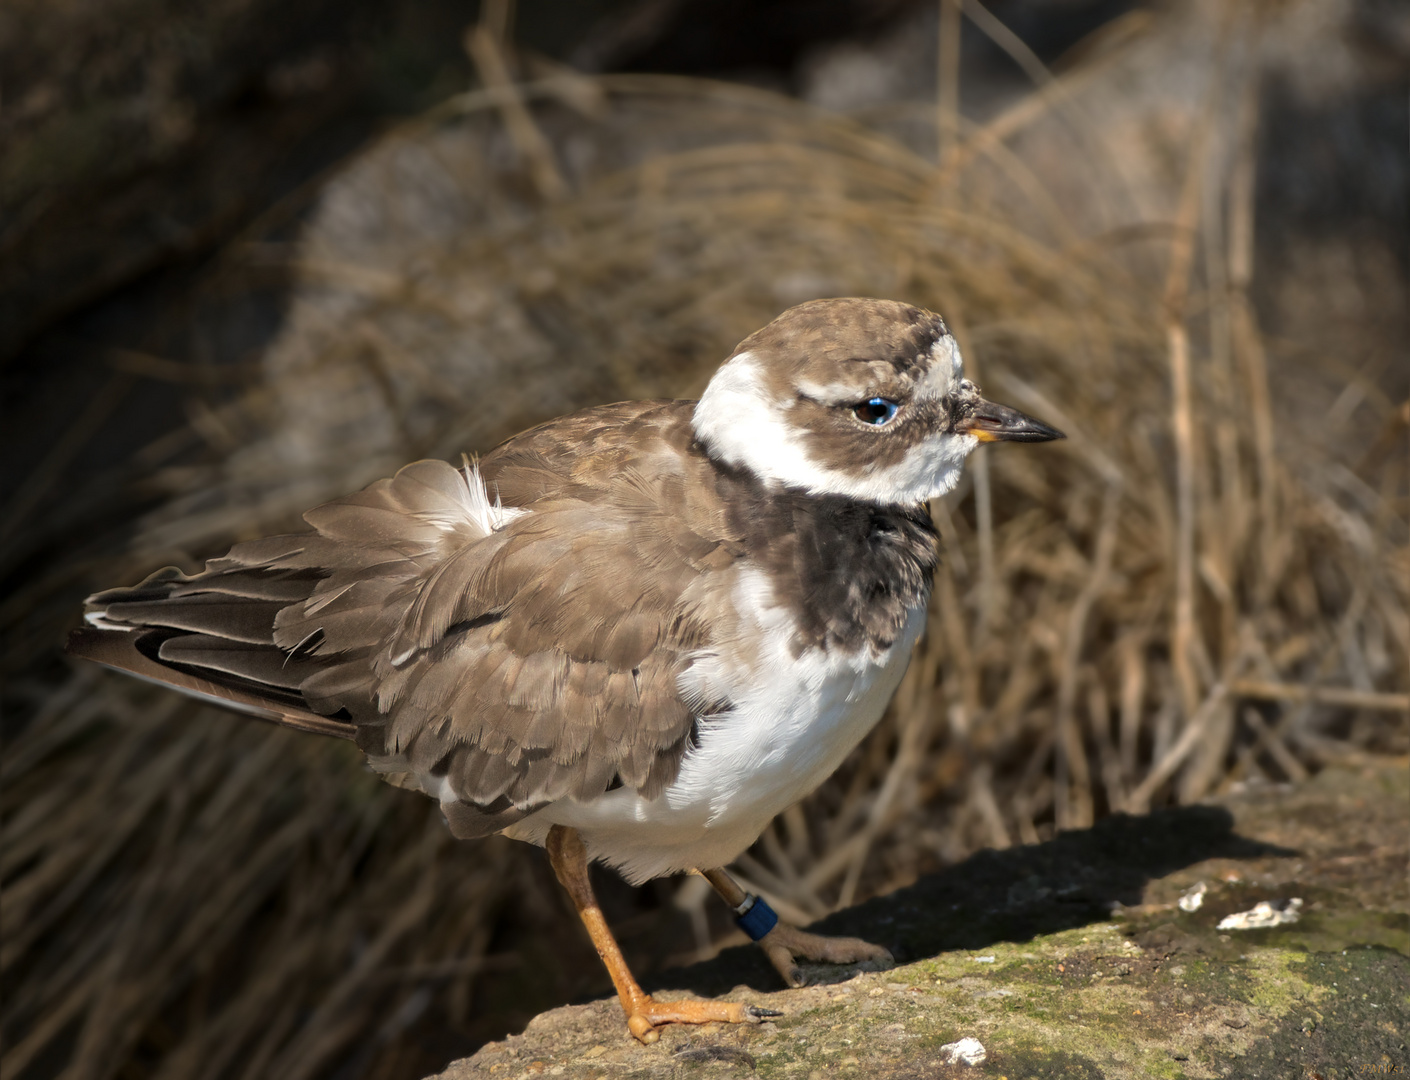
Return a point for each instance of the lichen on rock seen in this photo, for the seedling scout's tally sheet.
(1073, 958)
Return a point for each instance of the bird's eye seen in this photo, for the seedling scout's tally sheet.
(875, 411)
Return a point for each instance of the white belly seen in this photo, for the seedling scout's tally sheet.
(793, 722)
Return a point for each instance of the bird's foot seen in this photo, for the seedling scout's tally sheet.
(645, 1015)
(784, 944)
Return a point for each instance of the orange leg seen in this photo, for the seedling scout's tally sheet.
(784, 943)
(644, 1014)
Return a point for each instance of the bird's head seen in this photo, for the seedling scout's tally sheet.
(853, 397)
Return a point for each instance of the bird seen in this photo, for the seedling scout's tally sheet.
(631, 635)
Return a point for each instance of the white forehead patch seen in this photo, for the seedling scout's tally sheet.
(741, 424)
(946, 368)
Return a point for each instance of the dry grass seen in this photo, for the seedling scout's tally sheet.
(1159, 608)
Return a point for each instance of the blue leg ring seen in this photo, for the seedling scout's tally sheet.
(755, 917)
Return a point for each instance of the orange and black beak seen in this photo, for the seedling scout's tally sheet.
(988, 421)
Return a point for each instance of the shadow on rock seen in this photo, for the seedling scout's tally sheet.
(1078, 878)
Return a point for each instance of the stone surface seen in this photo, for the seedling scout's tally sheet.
(1072, 958)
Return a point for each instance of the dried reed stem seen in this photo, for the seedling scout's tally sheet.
(1176, 293)
(40, 482)
(1246, 340)
(485, 47)
(1195, 730)
(1272, 742)
(1073, 778)
(1341, 697)
(947, 99)
(1006, 39)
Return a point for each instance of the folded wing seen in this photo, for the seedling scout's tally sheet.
(500, 657)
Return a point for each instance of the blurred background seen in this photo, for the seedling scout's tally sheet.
(255, 254)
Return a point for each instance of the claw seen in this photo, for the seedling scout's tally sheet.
(758, 1012)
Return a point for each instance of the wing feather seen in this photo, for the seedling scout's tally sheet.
(233, 657)
(525, 652)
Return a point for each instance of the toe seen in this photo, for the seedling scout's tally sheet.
(783, 962)
(884, 957)
(643, 1029)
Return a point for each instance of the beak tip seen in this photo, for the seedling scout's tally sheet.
(991, 422)
(1043, 434)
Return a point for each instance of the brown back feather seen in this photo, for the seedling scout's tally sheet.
(528, 663)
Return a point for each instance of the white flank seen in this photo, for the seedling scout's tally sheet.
(794, 720)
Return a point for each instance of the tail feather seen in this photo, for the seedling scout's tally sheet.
(258, 664)
(119, 650)
(210, 636)
(236, 618)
